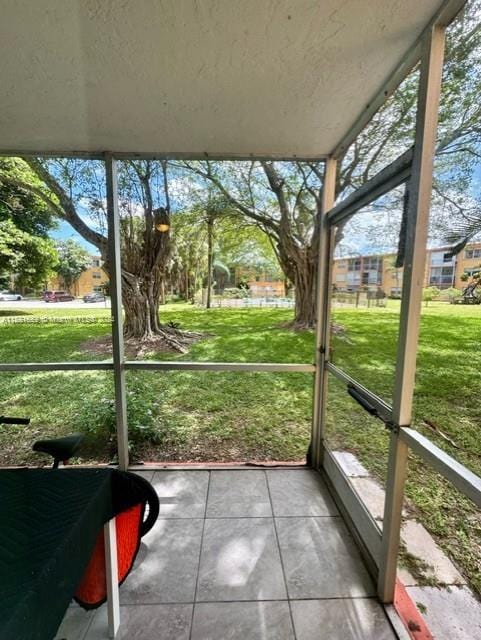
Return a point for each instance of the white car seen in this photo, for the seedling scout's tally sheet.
(6, 296)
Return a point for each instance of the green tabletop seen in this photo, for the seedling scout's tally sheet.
(49, 523)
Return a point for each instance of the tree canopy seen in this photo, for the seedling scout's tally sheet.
(73, 260)
(280, 200)
(26, 252)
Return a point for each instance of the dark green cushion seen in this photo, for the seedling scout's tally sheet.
(50, 520)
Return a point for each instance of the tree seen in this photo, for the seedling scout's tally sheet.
(27, 259)
(283, 199)
(74, 190)
(188, 260)
(210, 210)
(73, 261)
(241, 244)
(473, 287)
(236, 243)
(26, 253)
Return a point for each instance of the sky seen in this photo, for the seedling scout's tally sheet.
(66, 232)
(360, 237)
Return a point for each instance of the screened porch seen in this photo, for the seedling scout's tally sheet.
(246, 551)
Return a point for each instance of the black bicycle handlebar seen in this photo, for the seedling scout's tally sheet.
(9, 420)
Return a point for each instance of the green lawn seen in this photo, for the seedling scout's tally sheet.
(449, 365)
(172, 415)
(239, 416)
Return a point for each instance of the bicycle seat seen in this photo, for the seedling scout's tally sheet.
(60, 448)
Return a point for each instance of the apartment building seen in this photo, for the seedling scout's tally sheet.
(94, 278)
(262, 283)
(379, 271)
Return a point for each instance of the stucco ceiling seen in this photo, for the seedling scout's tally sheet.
(282, 77)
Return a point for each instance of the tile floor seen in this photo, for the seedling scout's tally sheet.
(243, 555)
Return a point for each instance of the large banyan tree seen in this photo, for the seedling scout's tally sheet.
(75, 192)
(283, 199)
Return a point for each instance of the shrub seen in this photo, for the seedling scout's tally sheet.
(451, 294)
(235, 293)
(430, 293)
(97, 420)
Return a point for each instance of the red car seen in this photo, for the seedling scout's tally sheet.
(57, 296)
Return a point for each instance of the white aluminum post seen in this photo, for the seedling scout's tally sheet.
(415, 256)
(115, 273)
(112, 577)
(323, 312)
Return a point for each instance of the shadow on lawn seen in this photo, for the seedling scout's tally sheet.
(6, 313)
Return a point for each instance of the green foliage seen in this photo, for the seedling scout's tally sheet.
(30, 259)
(430, 293)
(96, 416)
(452, 293)
(25, 220)
(73, 261)
(476, 276)
(236, 293)
(26, 209)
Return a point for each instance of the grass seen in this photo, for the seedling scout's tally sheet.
(449, 362)
(172, 415)
(239, 416)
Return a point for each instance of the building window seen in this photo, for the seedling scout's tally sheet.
(372, 270)
(341, 264)
(96, 262)
(96, 275)
(340, 277)
(469, 254)
(354, 264)
(441, 277)
(437, 258)
(371, 277)
(472, 272)
(354, 279)
(373, 262)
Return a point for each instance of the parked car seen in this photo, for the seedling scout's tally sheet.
(57, 296)
(6, 296)
(95, 296)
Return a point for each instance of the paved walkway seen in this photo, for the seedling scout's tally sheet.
(450, 609)
(243, 555)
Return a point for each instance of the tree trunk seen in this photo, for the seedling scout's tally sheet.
(305, 282)
(141, 298)
(210, 259)
(299, 265)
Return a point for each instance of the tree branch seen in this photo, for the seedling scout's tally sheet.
(65, 209)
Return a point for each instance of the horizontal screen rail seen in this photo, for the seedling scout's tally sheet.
(467, 482)
(159, 365)
(274, 367)
(159, 155)
(102, 365)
